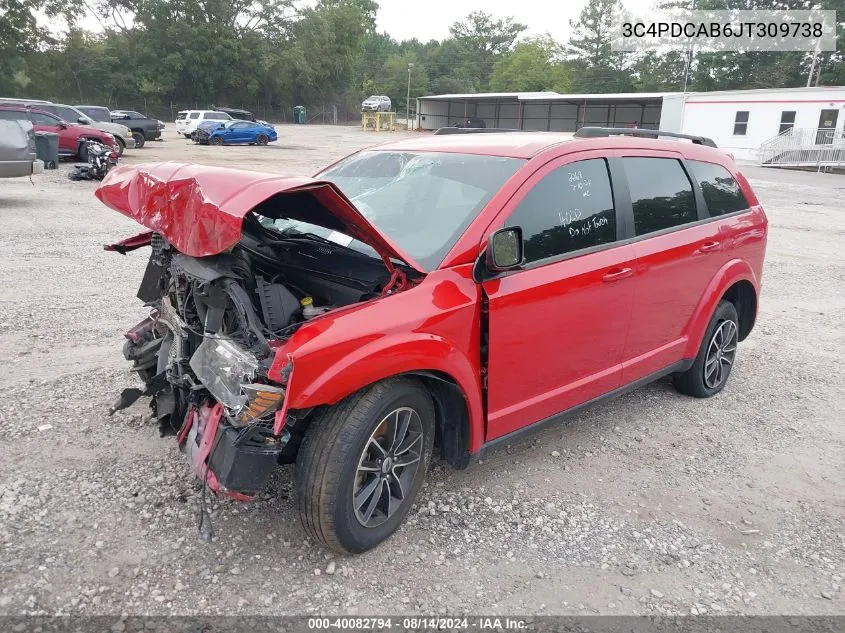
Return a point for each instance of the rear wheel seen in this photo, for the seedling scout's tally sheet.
(120, 146)
(712, 366)
(262, 139)
(140, 139)
(362, 464)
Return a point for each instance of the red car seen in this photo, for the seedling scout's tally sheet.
(442, 293)
(71, 135)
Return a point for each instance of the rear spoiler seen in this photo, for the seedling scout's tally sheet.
(593, 132)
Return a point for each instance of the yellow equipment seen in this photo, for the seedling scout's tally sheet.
(378, 121)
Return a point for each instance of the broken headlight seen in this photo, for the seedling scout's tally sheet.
(223, 368)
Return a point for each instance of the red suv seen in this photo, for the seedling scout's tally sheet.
(442, 293)
(71, 135)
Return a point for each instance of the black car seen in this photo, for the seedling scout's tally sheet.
(143, 128)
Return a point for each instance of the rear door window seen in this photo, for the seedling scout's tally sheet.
(570, 209)
(721, 191)
(661, 194)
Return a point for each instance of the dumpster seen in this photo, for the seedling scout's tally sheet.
(299, 114)
(47, 149)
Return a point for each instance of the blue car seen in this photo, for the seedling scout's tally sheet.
(236, 132)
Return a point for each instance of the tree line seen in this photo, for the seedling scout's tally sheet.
(272, 54)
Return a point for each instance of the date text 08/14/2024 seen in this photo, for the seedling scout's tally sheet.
(416, 623)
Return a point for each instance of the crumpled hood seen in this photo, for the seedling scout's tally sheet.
(200, 209)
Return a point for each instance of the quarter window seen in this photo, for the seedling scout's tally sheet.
(741, 123)
(661, 194)
(787, 121)
(570, 209)
(194, 115)
(721, 192)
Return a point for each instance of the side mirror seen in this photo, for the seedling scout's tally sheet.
(505, 250)
(62, 125)
(83, 120)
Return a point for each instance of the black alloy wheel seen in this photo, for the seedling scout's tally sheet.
(362, 463)
(387, 467)
(716, 355)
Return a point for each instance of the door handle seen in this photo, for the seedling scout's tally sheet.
(709, 246)
(616, 274)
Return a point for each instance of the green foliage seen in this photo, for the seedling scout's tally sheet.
(280, 53)
(535, 65)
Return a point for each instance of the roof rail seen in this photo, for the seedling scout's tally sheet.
(472, 130)
(592, 132)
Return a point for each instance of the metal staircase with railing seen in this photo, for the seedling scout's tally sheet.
(804, 147)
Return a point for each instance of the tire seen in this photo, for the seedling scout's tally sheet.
(216, 140)
(140, 139)
(82, 152)
(120, 146)
(350, 435)
(716, 356)
(262, 139)
(187, 136)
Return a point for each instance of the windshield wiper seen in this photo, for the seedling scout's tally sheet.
(292, 235)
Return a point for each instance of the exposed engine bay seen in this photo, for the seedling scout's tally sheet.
(215, 322)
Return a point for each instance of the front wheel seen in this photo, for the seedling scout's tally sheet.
(716, 356)
(362, 463)
(262, 139)
(120, 146)
(187, 136)
(216, 140)
(140, 139)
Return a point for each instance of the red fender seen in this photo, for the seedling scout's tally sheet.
(732, 272)
(313, 383)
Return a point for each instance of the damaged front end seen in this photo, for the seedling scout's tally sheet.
(226, 289)
(203, 354)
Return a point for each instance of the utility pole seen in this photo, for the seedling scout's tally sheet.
(408, 100)
(812, 69)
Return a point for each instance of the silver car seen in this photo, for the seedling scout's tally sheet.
(17, 149)
(376, 103)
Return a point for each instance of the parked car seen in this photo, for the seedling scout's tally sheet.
(71, 135)
(17, 149)
(376, 103)
(187, 120)
(143, 128)
(73, 114)
(438, 293)
(121, 133)
(235, 133)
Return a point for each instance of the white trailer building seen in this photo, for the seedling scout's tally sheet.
(774, 126)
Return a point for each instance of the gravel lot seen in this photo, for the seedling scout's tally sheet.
(653, 503)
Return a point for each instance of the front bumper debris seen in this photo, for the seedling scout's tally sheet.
(233, 462)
